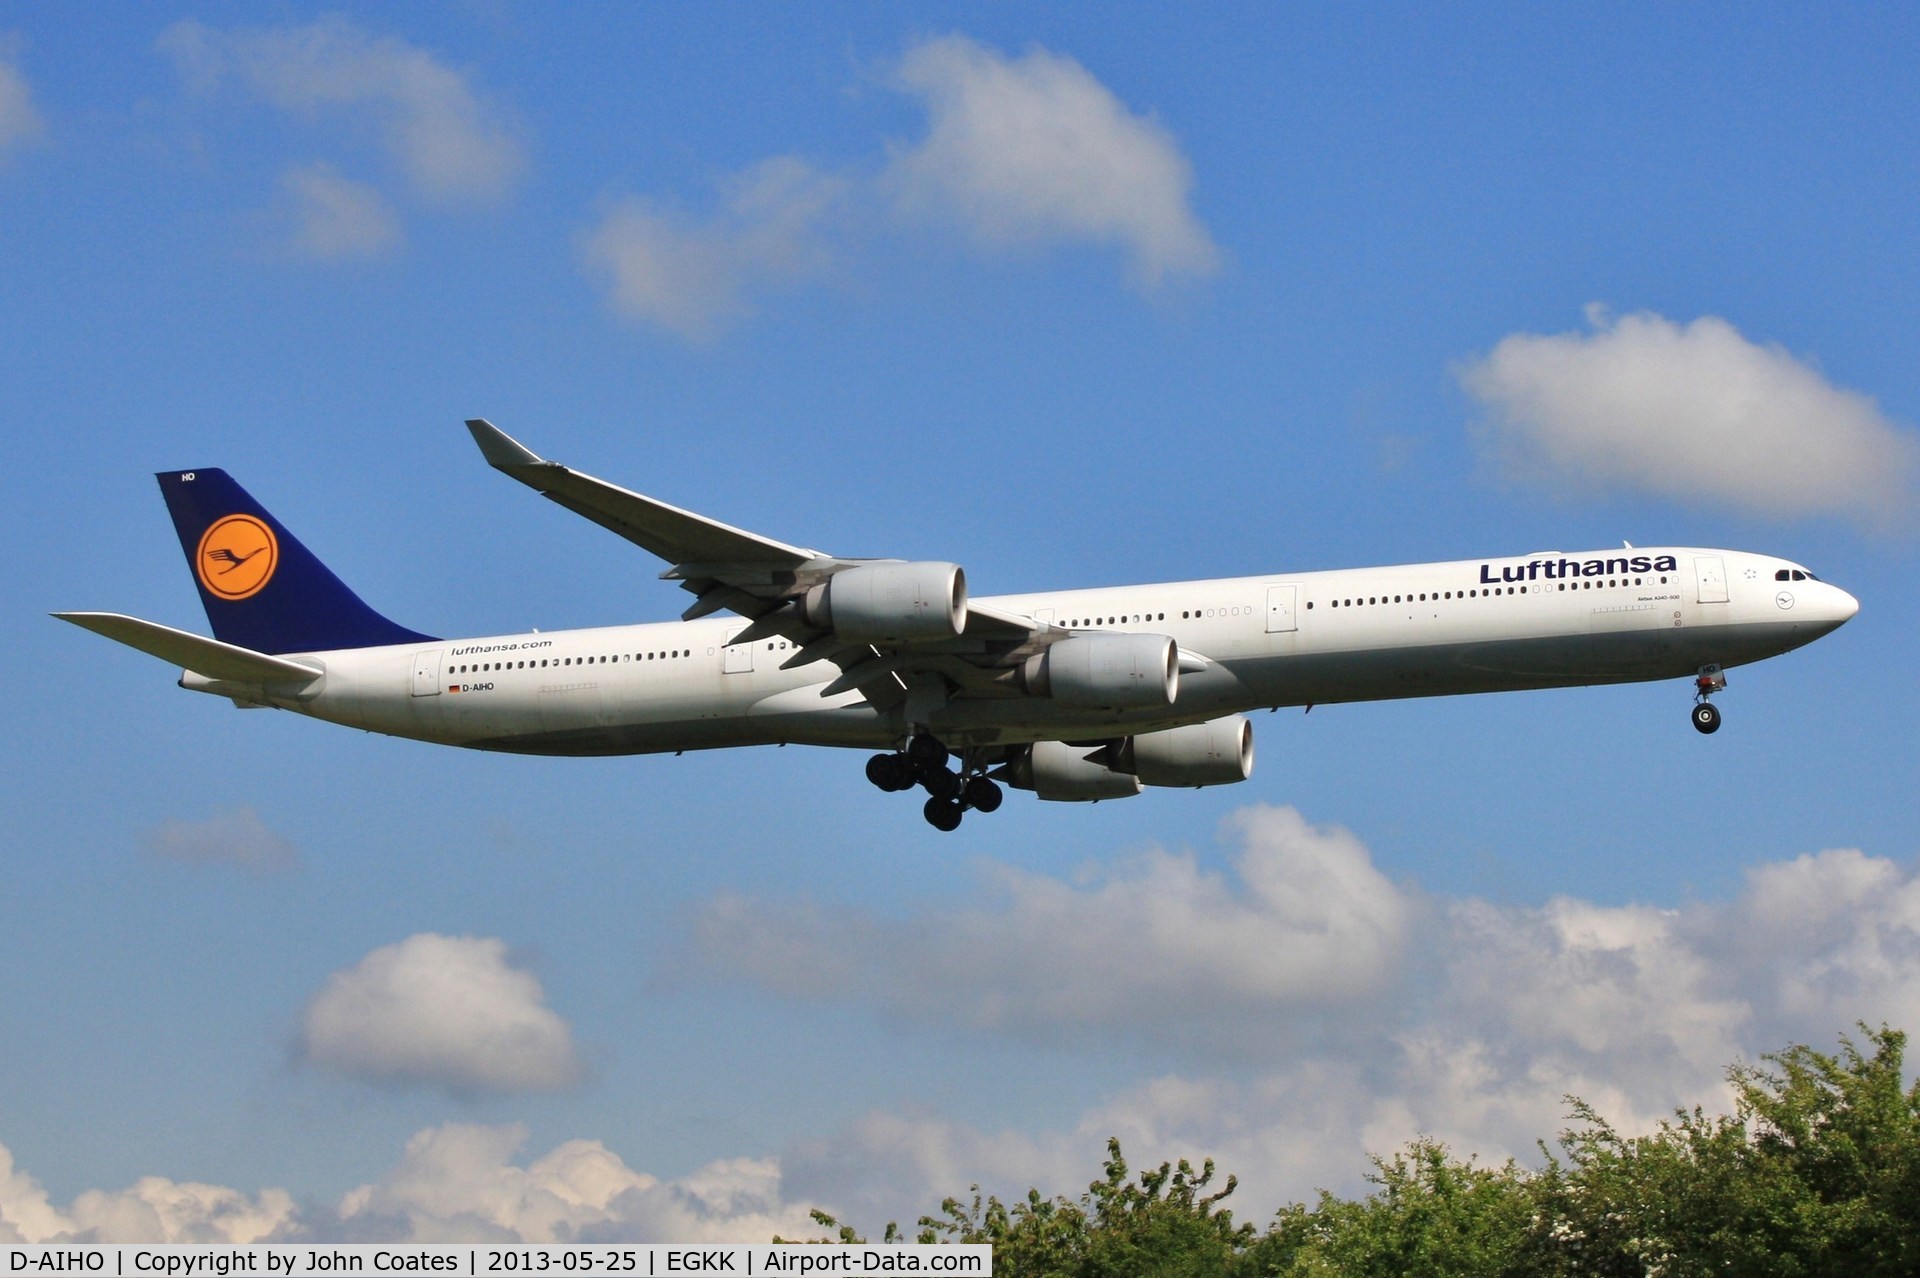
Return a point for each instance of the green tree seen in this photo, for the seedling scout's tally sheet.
(1429, 1214)
(1166, 1223)
(1816, 1172)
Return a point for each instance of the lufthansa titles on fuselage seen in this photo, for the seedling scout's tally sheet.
(1557, 569)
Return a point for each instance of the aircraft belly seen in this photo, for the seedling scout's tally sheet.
(1510, 664)
(701, 714)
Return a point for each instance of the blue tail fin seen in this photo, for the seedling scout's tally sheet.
(262, 589)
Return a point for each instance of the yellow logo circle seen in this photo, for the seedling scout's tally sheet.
(237, 557)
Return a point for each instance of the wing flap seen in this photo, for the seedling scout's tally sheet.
(193, 652)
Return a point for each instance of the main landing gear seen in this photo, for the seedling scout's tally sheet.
(1706, 715)
(949, 793)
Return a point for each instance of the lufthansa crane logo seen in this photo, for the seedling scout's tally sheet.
(237, 557)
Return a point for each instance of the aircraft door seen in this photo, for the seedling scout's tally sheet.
(1710, 574)
(1281, 601)
(426, 673)
(737, 658)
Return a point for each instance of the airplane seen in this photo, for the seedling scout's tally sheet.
(1074, 695)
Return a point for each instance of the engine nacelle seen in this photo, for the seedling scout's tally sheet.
(1107, 670)
(1058, 771)
(1217, 752)
(891, 601)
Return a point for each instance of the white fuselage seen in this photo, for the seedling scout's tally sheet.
(1542, 621)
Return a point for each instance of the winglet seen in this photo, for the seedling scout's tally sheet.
(501, 450)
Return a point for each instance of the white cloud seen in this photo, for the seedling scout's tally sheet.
(20, 120)
(458, 1183)
(1305, 929)
(441, 1011)
(1691, 412)
(1034, 149)
(453, 1183)
(1622, 987)
(1028, 150)
(25, 1213)
(1466, 1021)
(1483, 1018)
(231, 836)
(445, 138)
(690, 277)
(1833, 936)
(333, 216)
(152, 1210)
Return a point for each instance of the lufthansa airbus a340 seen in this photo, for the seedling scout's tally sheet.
(1072, 694)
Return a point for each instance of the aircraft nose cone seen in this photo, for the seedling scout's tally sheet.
(1833, 609)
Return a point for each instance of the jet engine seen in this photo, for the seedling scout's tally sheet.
(890, 601)
(1126, 671)
(1065, 773)
(1217, 752)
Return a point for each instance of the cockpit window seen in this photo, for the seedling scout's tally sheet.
(1781, 574)
(1795, 574)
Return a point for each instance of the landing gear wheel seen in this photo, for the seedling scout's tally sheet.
(983, 795)
(1706, 717)
(941, 783)
(890, 772)
(943, 814)
(927, 753)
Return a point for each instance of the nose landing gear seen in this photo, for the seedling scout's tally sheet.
(949, 793)
(1706, 715)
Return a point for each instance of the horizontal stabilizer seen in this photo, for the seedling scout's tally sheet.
(193, 652)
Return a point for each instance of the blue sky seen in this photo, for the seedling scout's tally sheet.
(1075, 297)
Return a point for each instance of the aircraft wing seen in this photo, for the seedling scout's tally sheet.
(677, 536)
(764, 580)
